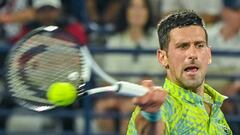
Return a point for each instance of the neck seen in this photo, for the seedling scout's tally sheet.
(198, 90)
(136, 33)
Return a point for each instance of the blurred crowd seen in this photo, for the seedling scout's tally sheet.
(120, 24)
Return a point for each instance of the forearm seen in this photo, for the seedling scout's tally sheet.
(18, 17)
(24, 16)
(149, 118)
(145, 127)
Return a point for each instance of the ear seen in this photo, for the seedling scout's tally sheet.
(209, 55)
(162, 58)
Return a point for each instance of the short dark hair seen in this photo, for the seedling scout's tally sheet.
(177, 19)
(232, 4)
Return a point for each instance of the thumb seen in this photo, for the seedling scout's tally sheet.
(148, 84)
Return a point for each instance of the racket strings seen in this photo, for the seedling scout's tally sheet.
(49, 68)
(58, 55)
(40, 78)
(55, 63)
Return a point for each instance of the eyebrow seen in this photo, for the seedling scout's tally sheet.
(195, 42)
(198, 42)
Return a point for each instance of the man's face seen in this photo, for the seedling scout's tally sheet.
(231, 18)
(47, 15)
(187, 56)
(137, 13)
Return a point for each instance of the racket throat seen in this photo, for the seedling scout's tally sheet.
(112, 88)
(83, 94)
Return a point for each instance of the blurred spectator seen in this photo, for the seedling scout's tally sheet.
(12, 14)
(117, 111)
(102, 15)
(103, 11)
(134, 31)
(78, 9)
(49, 12)
(225, 36)
(208, 9)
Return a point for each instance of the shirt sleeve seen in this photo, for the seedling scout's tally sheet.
(131, 125)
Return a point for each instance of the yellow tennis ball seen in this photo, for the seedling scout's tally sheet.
(61, 93)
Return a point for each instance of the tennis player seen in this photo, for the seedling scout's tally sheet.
(186, 105)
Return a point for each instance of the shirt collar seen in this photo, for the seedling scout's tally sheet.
(179, 92)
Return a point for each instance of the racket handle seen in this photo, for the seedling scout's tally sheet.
(131, 89)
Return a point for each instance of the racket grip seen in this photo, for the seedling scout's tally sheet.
(131, 89)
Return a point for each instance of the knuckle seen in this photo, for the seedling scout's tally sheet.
(147, 83)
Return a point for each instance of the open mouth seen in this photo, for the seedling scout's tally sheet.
(191, 69)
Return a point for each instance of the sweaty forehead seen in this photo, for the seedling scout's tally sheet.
(187, 34)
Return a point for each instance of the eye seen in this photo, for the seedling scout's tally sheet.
(183, 46)
(200, 45)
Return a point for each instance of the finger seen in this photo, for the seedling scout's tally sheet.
(147, 83)
(152, 101)
(135, 100)
(154, 97)
(143, 99)
(151, 108)
(158, 88)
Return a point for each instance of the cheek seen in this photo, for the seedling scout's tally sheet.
(136, 17)
(54, 14)
(205, 60)
(130, 16)
(144, 17)
(205, 63)
(175, 63)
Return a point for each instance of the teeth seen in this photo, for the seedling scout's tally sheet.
(195, 69)
(191, 69)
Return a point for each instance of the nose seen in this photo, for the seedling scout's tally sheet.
(192, 52)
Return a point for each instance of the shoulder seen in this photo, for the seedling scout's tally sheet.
(115, 37)
(118, 40)
(73, 23)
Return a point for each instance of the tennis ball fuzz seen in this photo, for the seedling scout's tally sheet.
(61, 93)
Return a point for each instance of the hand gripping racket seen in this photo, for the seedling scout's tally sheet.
(45, 56)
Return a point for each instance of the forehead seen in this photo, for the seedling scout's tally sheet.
(187, 34)
(137, 2)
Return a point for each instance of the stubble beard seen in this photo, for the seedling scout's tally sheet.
(192, 84)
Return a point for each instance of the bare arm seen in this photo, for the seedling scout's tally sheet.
(150, 103)
(18, 17)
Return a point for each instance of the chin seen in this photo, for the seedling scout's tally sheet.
(193, 83)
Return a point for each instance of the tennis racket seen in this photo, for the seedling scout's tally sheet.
(44, 56)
